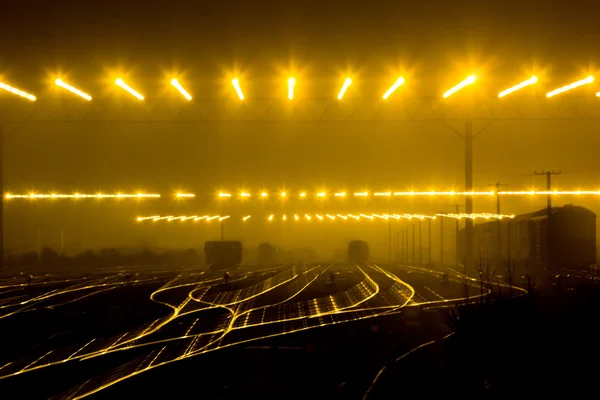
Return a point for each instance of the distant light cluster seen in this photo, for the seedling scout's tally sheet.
(323, 217)
(195, 218)
(430, 193)
(476, 216)
(285, 195)
(9, 196)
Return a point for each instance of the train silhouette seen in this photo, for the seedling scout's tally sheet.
(538, 241)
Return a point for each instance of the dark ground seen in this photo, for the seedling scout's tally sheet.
(536, 345)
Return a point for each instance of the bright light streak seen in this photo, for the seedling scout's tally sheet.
(573, 85)
(521, 85)
(361, 194)
(347, 83)
(244, 194)
(387, 194)
(393, 88)
(62, 84)
(186, 195)
(221, 194)
(9, 196)
(128, 88)
(321, 194)
(446, 193)
(159, 218)
(291, 84)
(340, 194)
(476, 215)
(283, 194)
(145, 218)
(303, 194)
(236, 84)
(597, 94)
(332, 217)
(264, 194)
(17, 92)
(180, 88)
(470, 79)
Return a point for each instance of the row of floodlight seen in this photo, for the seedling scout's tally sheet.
(303, 195)
(292, 84)
(322, 217)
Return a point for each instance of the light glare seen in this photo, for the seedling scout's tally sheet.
(180, 88)
(18, 92)
(128, 89)
(236, 84)
(521, 85)
(573, 85)
(64, 85)
(291, 84)
(347, 83)
(393, 88)
(470, 79)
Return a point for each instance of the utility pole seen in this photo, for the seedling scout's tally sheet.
(412, 260)
(548, 185)
(429, 234)
(420, 245)
(548, 174)
(497, 186)
(389, 240)
(389, 232)
(406, 245)
(401, 244)
(457, 206)
(441, 240)
(468, 188)
(397, 257)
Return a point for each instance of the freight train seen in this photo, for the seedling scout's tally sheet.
(223, 254)
(538, 241)
(358, 252)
